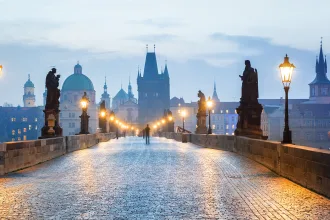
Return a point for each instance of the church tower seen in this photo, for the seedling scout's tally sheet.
(320, 87)
(153, 89)
(29, 99)
(105, 96)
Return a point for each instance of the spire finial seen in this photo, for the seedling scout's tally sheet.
(154, 48)
(321, 41)
(129, 79)
(165, 62)
(105, 80)
(77, 61)
(29, 77)
(121, 85)
(147, 48)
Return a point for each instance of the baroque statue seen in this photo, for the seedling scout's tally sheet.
(201, 114)
(250, 93)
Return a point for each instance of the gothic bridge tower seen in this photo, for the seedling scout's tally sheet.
(153, 90)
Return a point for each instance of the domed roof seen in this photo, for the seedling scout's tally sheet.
(121, 95)
(77, 81)
(29, 83)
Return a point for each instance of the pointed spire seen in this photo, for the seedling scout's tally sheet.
(325, 64)
(215, 94)
(147, 48)
(321, 57)
(166, 70)
(154, 48)
(29, 77)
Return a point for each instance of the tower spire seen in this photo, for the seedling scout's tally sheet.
(154, 48)
(215, 94)
(29, 77)
(147, 48)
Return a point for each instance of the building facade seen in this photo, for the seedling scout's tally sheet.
(72, 91)
(153, 90)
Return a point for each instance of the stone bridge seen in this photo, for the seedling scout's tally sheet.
(168, 179)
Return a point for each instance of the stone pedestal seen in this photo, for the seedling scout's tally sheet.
(249, 121)
(84, 123)
(51, 128)
(201, 124)
(170, 127)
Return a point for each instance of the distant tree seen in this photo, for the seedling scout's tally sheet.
(6, 104)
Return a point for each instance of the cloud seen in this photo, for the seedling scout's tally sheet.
(160, 23)
(155, 38)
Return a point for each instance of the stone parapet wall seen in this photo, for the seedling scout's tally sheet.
(306, 166)
(18, 155)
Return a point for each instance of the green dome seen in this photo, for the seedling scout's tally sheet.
(77, 82)
(29, 83)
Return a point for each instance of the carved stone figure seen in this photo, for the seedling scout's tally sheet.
(201, 114)
(53, 93)
(201, 103)
(250, 93)
(52, 127)
(249, 111)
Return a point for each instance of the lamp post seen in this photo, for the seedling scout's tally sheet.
(84, 117)
(183, 114)
(170, 124)
(111, 121)
(209, 104)
(286, 69)
(102, 117)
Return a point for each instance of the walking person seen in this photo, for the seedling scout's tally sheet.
(147, 133)
(117, 133)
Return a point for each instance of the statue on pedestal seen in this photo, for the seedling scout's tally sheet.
(249, 111)
(51, 127)
(201, 114)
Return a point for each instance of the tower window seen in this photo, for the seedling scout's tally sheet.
(24, 137)
(19, 131)
(30, 127)
(13, 132)
(36, 119)
(24, 129)
(313, 92)
(19, 138)
(324, 91)
(24, 119)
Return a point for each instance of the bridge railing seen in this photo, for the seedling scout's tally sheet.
(22, 154)
(307, 166)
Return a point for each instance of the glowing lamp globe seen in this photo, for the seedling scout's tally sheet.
(286, 69)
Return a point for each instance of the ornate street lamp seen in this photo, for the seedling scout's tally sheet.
(102, 117)
(183, 114)
(84, 117)
(286, 69)
(209, 104)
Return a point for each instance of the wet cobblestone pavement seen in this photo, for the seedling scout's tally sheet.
(125, 179)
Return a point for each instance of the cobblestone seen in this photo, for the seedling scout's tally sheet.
(125, 179)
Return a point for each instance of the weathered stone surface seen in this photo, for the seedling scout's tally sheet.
(19, 155)
(126, 179)
(306, 166)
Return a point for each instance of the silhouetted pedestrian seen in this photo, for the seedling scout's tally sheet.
(147, 132)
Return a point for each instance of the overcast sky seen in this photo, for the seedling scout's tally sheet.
(201, 41)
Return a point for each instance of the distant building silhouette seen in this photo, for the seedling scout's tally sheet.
(154, 90)
(105, 95)
(320, 87)
(29, 99)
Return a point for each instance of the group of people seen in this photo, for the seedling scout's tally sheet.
(145, 134)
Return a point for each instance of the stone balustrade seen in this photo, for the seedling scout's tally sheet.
(307, 166)
(18, 155)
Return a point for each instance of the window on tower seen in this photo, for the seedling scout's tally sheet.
(324, 91)
(145, 94)
(313, 92)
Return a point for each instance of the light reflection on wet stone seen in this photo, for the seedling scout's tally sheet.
(125, 179)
